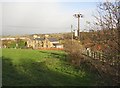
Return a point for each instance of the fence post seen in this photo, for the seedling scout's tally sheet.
(88, 51)
(100, 56)
(96, 55)
(92, 54)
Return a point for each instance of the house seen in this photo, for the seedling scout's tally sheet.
(46, 42)
(7, 39)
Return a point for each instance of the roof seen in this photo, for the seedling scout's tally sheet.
(50, 39)
(39, 39)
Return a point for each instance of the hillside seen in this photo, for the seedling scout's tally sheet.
(43, 68)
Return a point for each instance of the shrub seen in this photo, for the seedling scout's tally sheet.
(74, 50)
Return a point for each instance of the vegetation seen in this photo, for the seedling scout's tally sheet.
(108, 18)
(14, 44)
(74, 49)
(106, 67)
(44, 68)
(33, 67)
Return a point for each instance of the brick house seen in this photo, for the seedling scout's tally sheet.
(45, 42)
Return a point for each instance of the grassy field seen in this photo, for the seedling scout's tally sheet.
(27, 67)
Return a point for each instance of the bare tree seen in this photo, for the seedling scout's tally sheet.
(108, 14)
(108, 18)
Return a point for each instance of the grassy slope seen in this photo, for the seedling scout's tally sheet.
(35, 67)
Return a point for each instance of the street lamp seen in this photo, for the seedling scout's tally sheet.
(78, 16)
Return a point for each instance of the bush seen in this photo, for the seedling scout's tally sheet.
(21, 44)
(74, 50)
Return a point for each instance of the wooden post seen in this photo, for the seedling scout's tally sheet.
(92, 54)
(95, 55)
(87, 53)
(99, 55)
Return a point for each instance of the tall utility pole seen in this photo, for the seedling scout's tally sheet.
(78, 16)
(72, 32)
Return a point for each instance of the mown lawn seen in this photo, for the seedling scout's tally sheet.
(25, 67)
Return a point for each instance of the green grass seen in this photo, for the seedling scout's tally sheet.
(28, 67)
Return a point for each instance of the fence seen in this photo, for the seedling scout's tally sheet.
(103, 57)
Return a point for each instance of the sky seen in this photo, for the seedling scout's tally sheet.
(32, 17)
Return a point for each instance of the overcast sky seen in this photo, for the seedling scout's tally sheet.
(43, 17)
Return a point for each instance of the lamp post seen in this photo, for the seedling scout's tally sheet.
(78, 16)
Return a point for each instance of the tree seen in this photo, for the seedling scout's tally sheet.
(108, 15)
(108, 18)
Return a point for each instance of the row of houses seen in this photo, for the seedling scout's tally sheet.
(36, 42)
(46, 42)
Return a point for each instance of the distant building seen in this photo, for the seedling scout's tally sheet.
(7, 39)
(45, 42)
(35, 36)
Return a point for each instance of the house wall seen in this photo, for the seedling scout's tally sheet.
(47, 44)
(39, 44)
(59, 46)
(55, 42)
